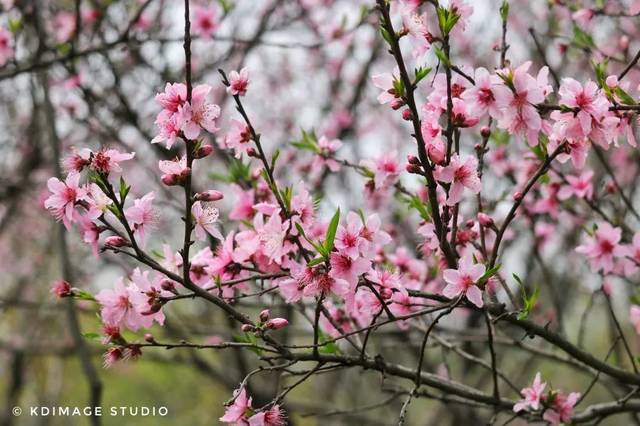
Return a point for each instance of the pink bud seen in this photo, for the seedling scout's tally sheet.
(624, 42)
(211, 195)
(276, 323)
(413, 168)
(485, 132)
(396, 104)
(148, 337)
(264, 315)
(517, 195)
(168, 285)
(485, 220)
(61, 288)
(116, 241)
(386, 293)
(247, 328)
(612, 81)
(203, 151)
(412, 159)
(170, 180)
(407, 114)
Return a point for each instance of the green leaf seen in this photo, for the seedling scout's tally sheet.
(329, 348)
(488, 274)
(624, 96)
(442, 57)
(226, 5)
(414, 202)
(319, 248)
(83, 295)
(124, 190)
(316, 261)
(91, 336)
(421, 73)
(582, 39)
(15, 24)
(250, 339)
(331, 231)
(504, 10)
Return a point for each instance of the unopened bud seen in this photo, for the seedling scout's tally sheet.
(470, 223)
(517, 196)
(203, 151)
(61, 288)
(407, 114)
(116, 241)
(396, 104)
(276, 323)
(211, 195)
(386, 293)
(251, 152)
(413, 168)
(247, 328)
(485, 220)
(624, 42)
(485, 132)
(264, 315)
(167, 285)
(171, 180)
(412, 159)
(148, 337)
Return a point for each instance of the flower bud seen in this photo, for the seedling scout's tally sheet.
(168, 285)
(412, 159)
(116, 241)
(211, 195)
(413, 168)
(251, 152)
(203, 151)
(485, 132)
(517, 196)
(612, 81)
(264, 315)
(247, 328)
(624, 42)
(112, 356)
(470, 223)
(171, 180)
(276, 323)
(485, 220)
(407, 114)
(148, 337)
(396, 104)
(61, 288)
(386, 293)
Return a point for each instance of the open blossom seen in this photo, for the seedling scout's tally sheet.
(142, 215)
(174, 95)
(460, 173)
(199, 114)
(271, 236)
(204, 21)
(108, 160)
(385, 82)
(271, 417)
(603, 247)
(345, 268)
(64, 196)
(482, 96)
(348, 239)
(561, 410)
(64, 26)
(205, 216)
(531, 396)
(238, 138)
(123, 306)
(236, 412)
(386, 169)
(578, 186)
(328, 148)
(416, 27)
(463, 281)
(6, 46)
(238, 82)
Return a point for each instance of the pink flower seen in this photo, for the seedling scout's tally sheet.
(238, 138)
(460, 173)
(348, 240)
(386, 169)
(292, 288)
(327, 150)
(385, 82)
(169, 129)
(463, 281)
(64, 26)
(325, 283)
(142, 215)
(482, 96)
(271, 417)
(238, 82)
(205, 216)
(236, 412)
(579, 186)
(271, 236)
(6, 46)
(119, 306)
(603, 247)
(64, 196)
(345, 268)
(531, 396)
(243, 205)
(562, 408)
(174, 172)
(416, 27)
(588, 99)
(276, 323)
(108, 160)
(199, 114)
(204, 21)
(61, 288)
(174, 96)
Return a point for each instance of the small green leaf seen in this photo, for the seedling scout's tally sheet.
(83, 295)
(15, 24)
(331, 231)
(319, 248)
(91, 336)
(504, 10)
(421, 73)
